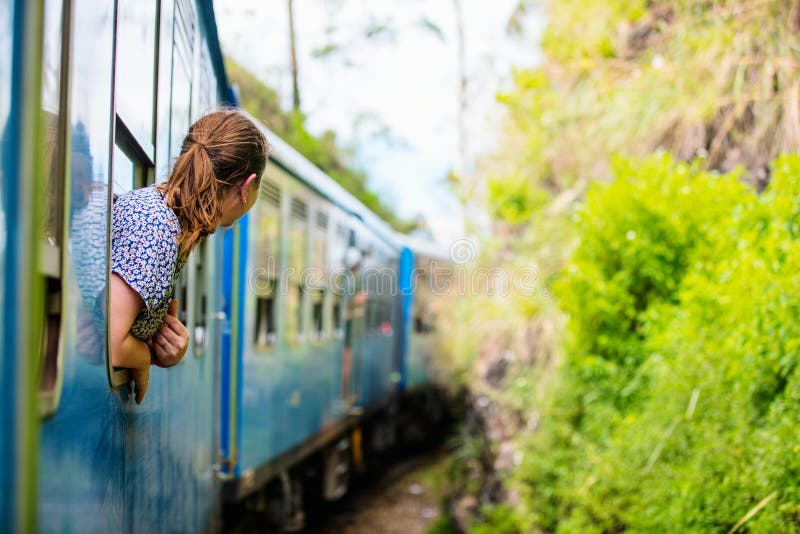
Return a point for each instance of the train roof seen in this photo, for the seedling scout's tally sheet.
(290, 160)
(424, 246)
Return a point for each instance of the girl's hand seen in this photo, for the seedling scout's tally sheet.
(141, 378)
(169, 344)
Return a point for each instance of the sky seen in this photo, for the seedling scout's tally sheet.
(392, 98)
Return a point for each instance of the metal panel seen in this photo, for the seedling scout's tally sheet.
(20, 79)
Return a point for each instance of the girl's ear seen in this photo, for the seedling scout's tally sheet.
(245, 188)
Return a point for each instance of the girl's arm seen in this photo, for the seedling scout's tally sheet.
(127, 351)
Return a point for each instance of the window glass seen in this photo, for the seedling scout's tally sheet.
(266, 228)
(135, 67)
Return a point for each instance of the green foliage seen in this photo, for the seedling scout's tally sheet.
(498, 519)
(593, 33)
(619, 77)
(323, 150)
(676, 406)
(669, 403)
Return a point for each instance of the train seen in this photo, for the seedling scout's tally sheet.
(310, 319)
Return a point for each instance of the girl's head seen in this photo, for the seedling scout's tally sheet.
(216, 177)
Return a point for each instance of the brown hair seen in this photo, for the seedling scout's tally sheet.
(220, 151)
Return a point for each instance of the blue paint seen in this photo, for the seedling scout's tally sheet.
(225, 355)
(241, 253)
(405, 288)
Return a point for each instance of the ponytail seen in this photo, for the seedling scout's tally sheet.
(220, 151)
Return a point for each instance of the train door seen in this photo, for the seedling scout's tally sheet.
(355, 303)
(21, 307)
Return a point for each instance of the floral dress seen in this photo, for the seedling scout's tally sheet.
(144, 252)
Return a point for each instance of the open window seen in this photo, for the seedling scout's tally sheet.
(135, 67)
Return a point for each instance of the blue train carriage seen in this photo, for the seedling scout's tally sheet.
(98, 99)
(427, 278)
(314, 279)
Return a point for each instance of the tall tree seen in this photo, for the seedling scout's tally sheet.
(293, 54)
(460, 169)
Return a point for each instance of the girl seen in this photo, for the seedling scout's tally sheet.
(215, 181)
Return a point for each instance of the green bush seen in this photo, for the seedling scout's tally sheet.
(676, 406)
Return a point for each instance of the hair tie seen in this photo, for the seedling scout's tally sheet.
(202, 145)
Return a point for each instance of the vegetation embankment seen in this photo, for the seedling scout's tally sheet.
(651, 382)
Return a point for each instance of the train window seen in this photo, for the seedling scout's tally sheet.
(132, 166)
(320, 240)
(317, 323)
(199, 306)
(298, 249)
(292, 317)
(124, 172)
(266, 229)
(182, 294)
(338, 247)
(386, 319)
(370, 316)
(265, 321)
(136, 67)
(336, 316)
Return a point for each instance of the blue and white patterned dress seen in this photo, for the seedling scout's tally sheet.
(144, 252)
